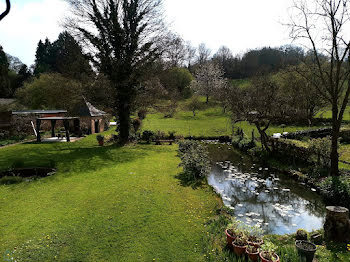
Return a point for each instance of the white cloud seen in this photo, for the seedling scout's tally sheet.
(27, 23)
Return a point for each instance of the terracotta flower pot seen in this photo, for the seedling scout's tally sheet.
(229, 238)
(239, 250)
(256, 244)
(253, 256)
(263, 259)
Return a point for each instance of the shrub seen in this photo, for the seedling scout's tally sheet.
(142, 114)
(172, 135)
(160, 135)
(194, 159)
(336, 190)
(100, 138)
(136, 123)
(321, 147)
(147, 135)
(301, 234)
(194, 105)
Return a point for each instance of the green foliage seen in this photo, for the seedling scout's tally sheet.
(194, 104)
(142, 114)
(252, 249)
(194, 159)
(177, 81)
(269, 250)
(136, 123)
(241, 240)
(172, 135)
(288, 254)
(100, 138)
(160, 135)
(4, 70)
(321, 147)
(64, 56)
(50, 91)
(301, 234)
(234, 227)
(147, 135)
(336, 190)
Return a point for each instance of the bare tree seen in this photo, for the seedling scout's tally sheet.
(174, 50)
(257, 103)
(223, 54)
(122, 37)
(203, 54)
(324, 26)
(7, 11)
(209, 78)
(190, 54)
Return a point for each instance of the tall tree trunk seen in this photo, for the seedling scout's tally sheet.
(335, 136)
(123, 123)
(123, 109)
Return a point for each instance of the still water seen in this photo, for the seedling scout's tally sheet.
(259, 196)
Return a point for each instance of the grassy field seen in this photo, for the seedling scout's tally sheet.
(210, 121)
(103, 204)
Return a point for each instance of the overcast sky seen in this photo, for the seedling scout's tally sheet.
(238, 24)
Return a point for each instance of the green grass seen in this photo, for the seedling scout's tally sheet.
(103, 204)
(13, 140)
(210, 121)
(327, 113)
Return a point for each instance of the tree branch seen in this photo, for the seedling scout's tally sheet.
(8, 7)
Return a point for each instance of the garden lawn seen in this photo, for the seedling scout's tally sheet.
(103, 204)
(210, 121)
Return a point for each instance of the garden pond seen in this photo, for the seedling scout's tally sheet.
(258, 196)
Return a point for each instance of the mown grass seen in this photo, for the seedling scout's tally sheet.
(209, 121)
(103, 204)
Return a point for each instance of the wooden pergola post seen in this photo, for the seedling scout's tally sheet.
(66, 127)
(53, 124)
(38, 123)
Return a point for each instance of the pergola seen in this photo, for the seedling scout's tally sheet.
(53, 121)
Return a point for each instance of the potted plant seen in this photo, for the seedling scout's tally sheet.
(100, 139)
(252, 252)
(268, 254)
(255, 237)
(301, 234)
(306, 250)
(231, 232)
(240, 244)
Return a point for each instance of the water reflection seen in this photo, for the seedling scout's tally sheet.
(270, 200)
